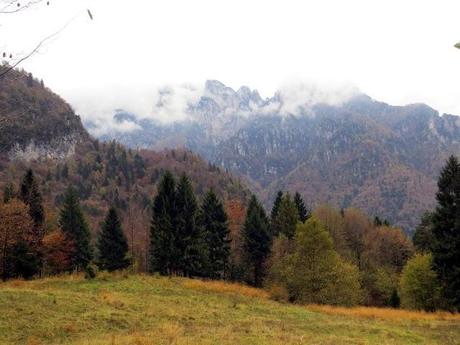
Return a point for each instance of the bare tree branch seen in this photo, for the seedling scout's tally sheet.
(19, 8)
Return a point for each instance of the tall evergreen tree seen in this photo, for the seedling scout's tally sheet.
(276, 205)
(286, 218)
(31, 196)
(423, 235)
(214, 222)
(189, 241)
(162, 227)
(256, 239)
(28, 254)
(112, 244)
(303, 211)
(75, 227)
(446, 232)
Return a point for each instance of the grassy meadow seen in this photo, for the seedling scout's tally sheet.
(145, 310)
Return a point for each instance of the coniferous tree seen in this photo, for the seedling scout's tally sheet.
(446, 232)
(31, 196)
(214, 222)
(189, 241)
(286, 218)
(75, 227)
(162, 239)
(112, 244)
(303, 211)
(423, 235)
(256, 239)
(276, 205)
(28, 253)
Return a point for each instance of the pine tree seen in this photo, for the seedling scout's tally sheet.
(214, 222)
(303, 211)
(256, 239)
(74, 226)
(446, 232)
(190, 245)
(286, 218)
(162, 239)
(276, 205)
(112, 244)
(28, 254)
(31, 196)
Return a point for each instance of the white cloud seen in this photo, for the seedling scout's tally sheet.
(297, 97)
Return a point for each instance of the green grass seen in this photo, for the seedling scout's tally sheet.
(143, 310)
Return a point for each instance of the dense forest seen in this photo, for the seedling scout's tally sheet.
(322, 256)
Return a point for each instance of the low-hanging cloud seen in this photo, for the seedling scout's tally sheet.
(297, 98)
(171, 103)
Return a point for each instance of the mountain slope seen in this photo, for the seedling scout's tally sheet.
(34, 121)
(40, 131)
(347, 150)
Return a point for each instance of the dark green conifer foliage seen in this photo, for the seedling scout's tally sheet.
(446, 232)
(214, 222)
(162, 228)
(32, 197)
(28, 255)
(303, 211)
(287, 217)
(74, 225)
(256, 239)
(191, 249)
(276, 205)
(112, 244)
(423, 235)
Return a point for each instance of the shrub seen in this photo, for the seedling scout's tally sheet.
(90, 271)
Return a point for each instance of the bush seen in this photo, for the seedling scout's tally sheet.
(90, 271)
(419, 286)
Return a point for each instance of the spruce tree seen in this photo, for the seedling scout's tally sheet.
(303, 211)
(75, 227)
(29, 253)
(276, 205)
(446, 232)
(189, 241)
(256, 239)
(31, 196)
(214, 222)
(112, 244)
(287, 217)
(162, 227)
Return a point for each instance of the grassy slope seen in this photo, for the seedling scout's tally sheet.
(148, 310)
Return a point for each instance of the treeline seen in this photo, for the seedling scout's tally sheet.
(325, 255)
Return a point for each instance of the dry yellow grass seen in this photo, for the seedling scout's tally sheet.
(383, 313)
(225, 287)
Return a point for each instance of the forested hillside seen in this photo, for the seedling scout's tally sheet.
(40, 131)
(356, 152)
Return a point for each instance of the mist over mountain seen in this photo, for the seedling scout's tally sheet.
(334, 146)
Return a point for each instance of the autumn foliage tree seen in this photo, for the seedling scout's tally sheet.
(15, 227)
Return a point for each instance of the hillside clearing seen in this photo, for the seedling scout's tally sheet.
(141, 310)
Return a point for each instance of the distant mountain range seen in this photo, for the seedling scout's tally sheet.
(351, 151)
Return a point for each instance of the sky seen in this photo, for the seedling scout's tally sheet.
(398, 52)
